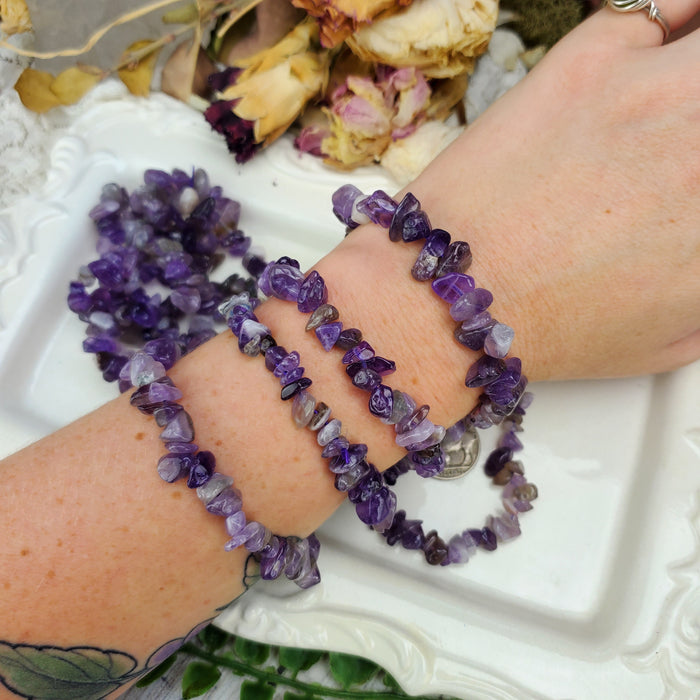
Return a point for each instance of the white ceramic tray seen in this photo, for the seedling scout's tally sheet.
(600, 597)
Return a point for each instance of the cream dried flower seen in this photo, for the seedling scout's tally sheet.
(276, 84)
(14, 17)
(441, 37)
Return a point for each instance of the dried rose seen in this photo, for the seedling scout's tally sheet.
(14, 17)
(338, 19)
(441, 37)
(273, 87)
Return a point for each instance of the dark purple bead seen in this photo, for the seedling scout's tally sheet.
(320, 416)
(285, 281)
(266, 343)
(201, 469)
(328, 334)
(326, 313)
(412, 536)
(416, 225)
(497, 460)
(78, 298)
(452, 286)
(349, 338)
(377, 507)
(472, 333)
(366, 379)
(379, 207)
(163, 350)
(457, 258)
(484, 371)
(381, 401)
(408, 204)
(312, 293)
(108, 271)
(100, 344)
(428, 462)
(292, 376)
(293, 388)
(393, 532)
(335, 447)
(435, 549)
(254, 264)
(289, 362)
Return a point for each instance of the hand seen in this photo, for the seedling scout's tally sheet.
(579, 192)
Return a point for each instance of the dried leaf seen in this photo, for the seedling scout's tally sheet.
(137, 74)
(182, 15)
(71, 84)
(34, 89)
(15, 17)
(179, 70)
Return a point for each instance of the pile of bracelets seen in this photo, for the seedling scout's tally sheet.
(169, 235)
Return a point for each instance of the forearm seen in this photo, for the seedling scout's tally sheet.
(100, 552)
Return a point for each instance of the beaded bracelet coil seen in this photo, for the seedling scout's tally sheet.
(170, 232)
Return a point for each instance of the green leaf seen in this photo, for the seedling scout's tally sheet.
(256, 690)
(160, 670)
(213, 638)
(199, 677)
(293, 696)
(296, 660)
(351, 670)
(54, 673)
(250, 651)
(390, 682)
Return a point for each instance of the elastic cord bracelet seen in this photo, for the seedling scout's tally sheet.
(157, 395)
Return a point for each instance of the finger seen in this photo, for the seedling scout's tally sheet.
(637, 28)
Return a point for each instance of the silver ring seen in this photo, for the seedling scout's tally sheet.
(649, 5)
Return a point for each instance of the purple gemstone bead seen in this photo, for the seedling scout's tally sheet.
(216, 484)
(303, 408)
(163, 350)
(312, 293)
(225, 503)
(172, 467)
(347, 480)
(498, 341)
(347, 458)
(435, 549)
(416, 435)
(250, 335)
(472, 332)
(187, 299)
(359, 353)
(412, 535)
(381, 402)
(407, 205)
(428, 462)
(379, 208)
(459, 551)
(471, 304)
(329, 432)
(293, 388)
(179, 429)
(181, 448)
(258, 536)
(142, 369)
(235, 523)
(484, 371)
(274, 356)
(366, 486)
(335, 447)
(319, 417)
(416, 225)
(497, 460)
(326, 313)
(285, 281)
(349, 338)
(377, 507)
(201, 469)
(452, 286)
(292, 376)
(161, 392)
(272, 566)
(505, 527)
(328, 334)
(344, 199)
(366, 379)
(457, 258)
(288, 363)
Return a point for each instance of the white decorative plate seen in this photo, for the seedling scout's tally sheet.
(600, 597)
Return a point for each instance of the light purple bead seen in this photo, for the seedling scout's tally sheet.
(285, 281)
(171, 468)
(452, 286)
(159, 392)
(235, 522)
(435, 438)
(498, 340)
(379, 208)
(505, 527)
(330, 431)
(459, 550)
(289, 362)
(142, 369)
(417, 434)
(226, 503)
(274, 356)
(303, 406)
(343, 203)
(213, 487)
(257, 536)
(187, 299)
(328, 334)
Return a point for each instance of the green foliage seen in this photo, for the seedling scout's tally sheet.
(351, 670)
(198, 678)
(545, 21)
(265, 669)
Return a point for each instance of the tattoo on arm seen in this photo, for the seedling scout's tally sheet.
(46, 672)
